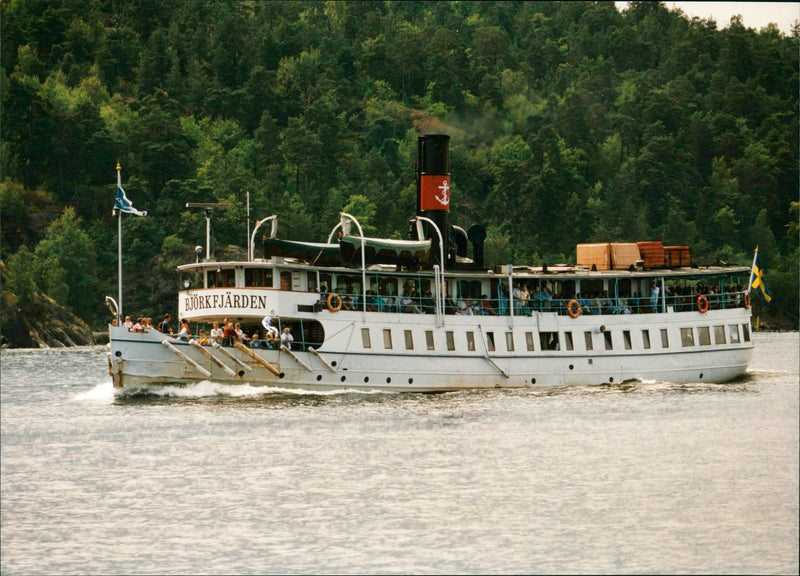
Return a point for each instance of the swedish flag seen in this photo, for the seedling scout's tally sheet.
(757, 279)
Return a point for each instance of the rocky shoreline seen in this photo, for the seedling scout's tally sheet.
(45, 324)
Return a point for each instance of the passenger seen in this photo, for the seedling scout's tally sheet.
(347, 303)
(148, 324)
(254, 341)
(240, 333)
(164, 327)
(536, 298)
(524, 300)
(546, 299)
(464, 309)
(502, 299)
(202, 339)
(216, 334)
(114, 322)
(287, 338)
(408, 302)
(266, 322)
(138, 327)
(271, 340)
(516, 297)
(183, 333)
(428, 303)
(127, 323)
(606, 305)
(654, 293)
(586, 305)
(486, 306)
(229, 335)
(623, 307)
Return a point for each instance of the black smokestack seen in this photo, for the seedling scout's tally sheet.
(433, 187)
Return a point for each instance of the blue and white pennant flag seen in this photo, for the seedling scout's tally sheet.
(124, 205)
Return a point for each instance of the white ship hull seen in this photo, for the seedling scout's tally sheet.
(466, 352)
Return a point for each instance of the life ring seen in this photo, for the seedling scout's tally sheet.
(746, 301)
(574, 308)
(334, 302)
(702, 304)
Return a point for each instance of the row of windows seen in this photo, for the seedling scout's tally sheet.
(552, 340)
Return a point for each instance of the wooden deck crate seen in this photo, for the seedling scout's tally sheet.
(597, 255)
(652, 254)
(677, 256)
(624, 255)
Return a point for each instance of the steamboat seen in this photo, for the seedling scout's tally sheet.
(427, 314)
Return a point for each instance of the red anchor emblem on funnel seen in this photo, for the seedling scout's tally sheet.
(435, 192)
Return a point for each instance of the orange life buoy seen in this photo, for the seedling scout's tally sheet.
(334, 302)
(574, 308)
(746, 301)
(702, 304)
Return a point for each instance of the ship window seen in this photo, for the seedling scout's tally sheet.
(311, 281)
(365, 340)
(510, 341)
(471, 341)
(609, 342)
(664, 338)
(529, 341)
(704, 336)
(490, 341)
(429, 339)
(286, 281)
(325, 283)
(646, 339)
(587, 336)
(451, 343)
(687, 337)
(409, 340)
(258, 277)
(719, 334)
(733, 332)
(568, 341)
(387, 338)
(746, 332)
(549, 340)
(626, 337)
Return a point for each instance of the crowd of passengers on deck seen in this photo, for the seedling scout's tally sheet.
(524, 301)
(224, 333)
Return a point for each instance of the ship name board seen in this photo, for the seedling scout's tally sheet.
(192, 302)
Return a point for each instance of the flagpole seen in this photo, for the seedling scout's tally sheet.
(752, 270)
(119, 253)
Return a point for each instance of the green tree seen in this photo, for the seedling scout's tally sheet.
(67, 250)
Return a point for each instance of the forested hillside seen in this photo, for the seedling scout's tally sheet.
(570, 122)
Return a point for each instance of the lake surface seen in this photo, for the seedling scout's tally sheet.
(650, 477)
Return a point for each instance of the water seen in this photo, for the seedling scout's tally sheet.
(634, 478)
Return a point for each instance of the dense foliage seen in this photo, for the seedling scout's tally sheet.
(570, 122)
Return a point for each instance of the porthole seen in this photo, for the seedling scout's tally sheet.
(241, 373)
(388, 380)
(319, 377)
(281, 375)
(571, 367)
(333, 363)
(366, 378)
(410, 380)
(533, 380)
(701, 375)
(118, 353)
(343, 378)
(611, 379)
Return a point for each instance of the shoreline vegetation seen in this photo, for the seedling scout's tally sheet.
(570, 122)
